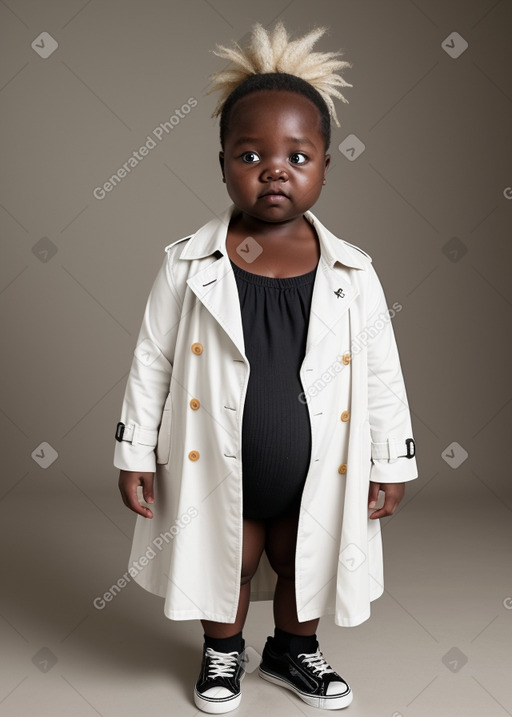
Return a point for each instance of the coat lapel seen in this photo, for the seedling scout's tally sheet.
(332, 295)
(215, 286)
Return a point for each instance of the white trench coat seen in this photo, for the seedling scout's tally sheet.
(182, 417)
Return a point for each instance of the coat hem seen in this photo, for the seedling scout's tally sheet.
(339, 619)
(195, 614)
(198, 614)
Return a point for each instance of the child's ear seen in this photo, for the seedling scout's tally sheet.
(326, 166)
(221, 160)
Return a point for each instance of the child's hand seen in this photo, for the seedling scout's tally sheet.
(128, 483)
(394, 492)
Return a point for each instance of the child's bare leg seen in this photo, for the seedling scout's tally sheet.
(280, 547)
(253, 545)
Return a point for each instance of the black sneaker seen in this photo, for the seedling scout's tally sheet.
(217, 689)
(308, 675)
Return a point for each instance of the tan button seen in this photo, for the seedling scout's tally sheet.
(197, 349)
(343, 468)
(345, 416)
(193, 455)
(346, 359)
(194, 404)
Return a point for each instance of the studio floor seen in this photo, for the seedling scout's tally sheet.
(437, 643)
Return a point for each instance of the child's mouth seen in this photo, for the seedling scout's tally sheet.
(274, 197)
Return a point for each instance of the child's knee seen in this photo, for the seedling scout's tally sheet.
(284, 568)
(249, 566)
(248, 573)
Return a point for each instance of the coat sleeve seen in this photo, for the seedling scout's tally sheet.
(389, 416)
(149, 378)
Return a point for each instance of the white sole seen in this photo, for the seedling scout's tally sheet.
(217, 708)
(323, 703)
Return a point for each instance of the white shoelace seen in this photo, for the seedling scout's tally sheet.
(317, 662)
(223, 664)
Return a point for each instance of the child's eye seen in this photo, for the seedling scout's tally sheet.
(298, 158)
(250, 157)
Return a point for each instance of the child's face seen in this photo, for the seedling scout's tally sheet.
(274, 144)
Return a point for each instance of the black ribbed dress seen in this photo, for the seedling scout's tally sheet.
(276, 434)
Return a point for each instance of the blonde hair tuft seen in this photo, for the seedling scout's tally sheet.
(275, 52)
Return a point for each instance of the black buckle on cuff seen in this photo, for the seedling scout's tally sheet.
(411, 448)
(120, 431)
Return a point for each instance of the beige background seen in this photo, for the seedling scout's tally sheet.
(430, 199)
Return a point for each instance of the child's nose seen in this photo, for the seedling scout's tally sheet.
(274, 173)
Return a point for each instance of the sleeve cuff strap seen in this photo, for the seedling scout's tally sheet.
(393, 448)
(136, 435)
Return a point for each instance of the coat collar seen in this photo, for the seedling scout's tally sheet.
(211, 238)
(215, 286)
